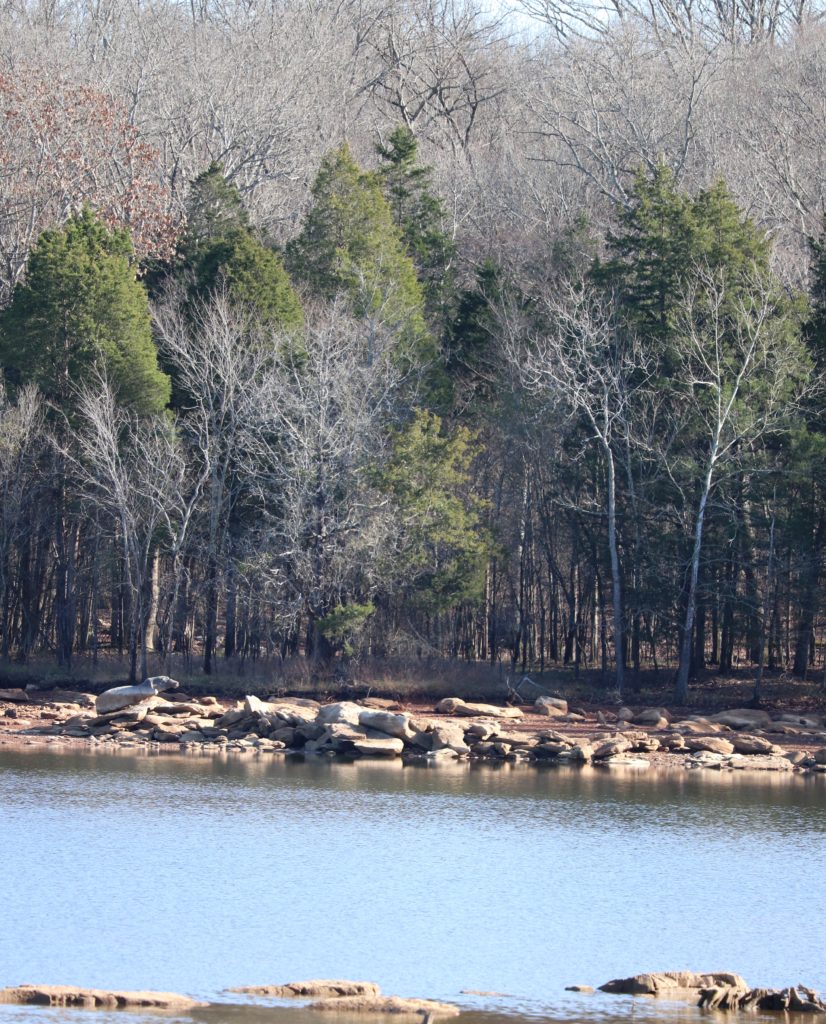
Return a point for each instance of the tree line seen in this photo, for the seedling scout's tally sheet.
(548, 395)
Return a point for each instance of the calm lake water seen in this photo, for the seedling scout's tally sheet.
(193, 874)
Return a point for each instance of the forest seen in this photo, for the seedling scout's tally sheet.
(336, 331)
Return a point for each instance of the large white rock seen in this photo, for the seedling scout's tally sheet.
(123, 696)
(742, 718)
(387, 722)
(345, 711)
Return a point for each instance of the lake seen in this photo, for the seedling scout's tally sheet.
(193, 874)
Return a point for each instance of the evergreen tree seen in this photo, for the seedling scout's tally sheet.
(349, 244)
(665, 236)
(445, 546)
(420, 217)
(220, 249)
(81, 307)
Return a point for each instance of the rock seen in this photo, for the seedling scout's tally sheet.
(716, 744)
(807, 721)
(624, 714)
(482, 731)
(742, 718)
(674, 741)
(285, 735)
(448, 705)
(797, 757)
(15, 696)
(697, 725)
(387, 722)
(487, 710)
(381, 704)
(581, 752)
(389, 746)
(668, 982)
(419, 1008)
(624, 761)
(618, 745)
(739, 997)
(705, 759)
(231, 717)
(68, 995)
(588, 989)
(551, 706)
(653, 716)
(448, 734)
(761, 762)
(443, 756)
(122, 696)
(344, 711)
(318, 989)
(745, 744)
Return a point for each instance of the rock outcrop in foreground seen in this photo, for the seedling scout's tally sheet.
(545, 732)
(718, 991)
(88, 998)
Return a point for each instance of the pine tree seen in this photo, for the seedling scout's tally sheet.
(350, 245)
(445, 547)
(220, 249)
(81, 307)
(420, 216)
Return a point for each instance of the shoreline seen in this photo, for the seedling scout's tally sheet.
(542, 735)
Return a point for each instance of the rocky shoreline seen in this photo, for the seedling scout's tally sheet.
(156, 717)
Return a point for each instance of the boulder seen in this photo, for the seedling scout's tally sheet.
(444, 756)
(487, 711)
(624, 761)
(746, 744)
(344, 711)
(418, 1008)
(551, 706)
(716, 744)
(656, 717)
(617, 745)
(807, 721)
(624, 714)
(482, 731)
(667, 982)
(389, 746)
(450, 735)
(387, 722)
(448, 705)
(69, 995)
(742, 718)
(123, 696)
(316, 989)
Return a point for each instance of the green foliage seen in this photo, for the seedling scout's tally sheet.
(342, 625)
(665, 236)
(349, 244)
(445, 545)
(81, 307)
(420, 216)
(253, 276)
(220, 250)
(214, 212)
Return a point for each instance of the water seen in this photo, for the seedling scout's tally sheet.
(193, 874)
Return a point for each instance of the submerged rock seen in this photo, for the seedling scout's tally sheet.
(386, 1004)
(324, 988)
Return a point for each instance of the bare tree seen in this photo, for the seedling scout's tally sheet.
(590, 365)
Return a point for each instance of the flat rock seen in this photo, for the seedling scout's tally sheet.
(761, 762)
(123, 696)
(742, 718)
(656, 717)
(317, 988)
(386, 1004)
(16, 696)
(68, 995)
(388, 746)
(612, 747)
(716, 744)
(668, 982)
